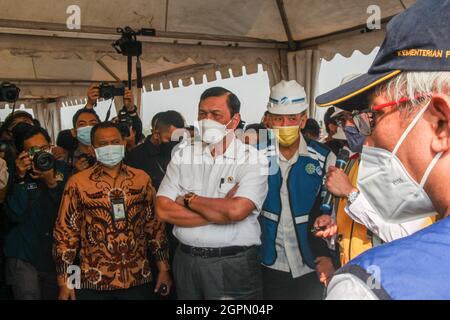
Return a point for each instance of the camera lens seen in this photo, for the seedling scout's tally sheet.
(43, 161)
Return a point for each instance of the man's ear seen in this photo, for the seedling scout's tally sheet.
(303, 119)
(236, 121)
(439, 110)
(73, 132)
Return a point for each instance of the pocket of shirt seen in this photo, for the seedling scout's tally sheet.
(225, 188)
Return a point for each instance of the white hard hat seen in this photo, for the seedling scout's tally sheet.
(287, 97)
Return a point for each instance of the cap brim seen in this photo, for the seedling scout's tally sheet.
(350, 96)
(336, 113)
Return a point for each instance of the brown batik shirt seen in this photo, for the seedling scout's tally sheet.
(112, 252)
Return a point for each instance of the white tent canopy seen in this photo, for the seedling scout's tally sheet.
(52, 63)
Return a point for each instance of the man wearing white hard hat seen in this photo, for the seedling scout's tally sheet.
(290, 254)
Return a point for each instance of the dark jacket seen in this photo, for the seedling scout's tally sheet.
(32, 208)
(152, 159)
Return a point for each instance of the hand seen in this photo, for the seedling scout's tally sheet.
(93, 94)
(325, 269)
(23, 164)
(81, 164)
(164, 278)
(329, 224)
(338, 183)
(232, 192)
(128, 100)
(65, 293)
(48, 177)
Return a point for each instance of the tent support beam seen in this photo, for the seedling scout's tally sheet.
(108, 70)
(291, 43)
(91, 33)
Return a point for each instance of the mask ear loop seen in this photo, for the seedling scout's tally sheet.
(410, 127)
(430, 167)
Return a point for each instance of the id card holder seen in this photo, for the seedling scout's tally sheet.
(118, 209)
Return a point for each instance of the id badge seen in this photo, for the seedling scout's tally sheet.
(118, 209)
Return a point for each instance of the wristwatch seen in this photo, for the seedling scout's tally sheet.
(352, 196)
(188, 198)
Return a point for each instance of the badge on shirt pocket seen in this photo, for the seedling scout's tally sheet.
(118, 208)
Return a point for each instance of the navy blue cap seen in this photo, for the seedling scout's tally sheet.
(417, 39)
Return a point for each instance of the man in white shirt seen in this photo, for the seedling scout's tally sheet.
(213, 192)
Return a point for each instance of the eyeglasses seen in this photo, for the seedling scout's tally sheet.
(365, 119)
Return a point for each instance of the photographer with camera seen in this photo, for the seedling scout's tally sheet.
(32, 207)
(83, 156)
(127, 116)
(67, 140)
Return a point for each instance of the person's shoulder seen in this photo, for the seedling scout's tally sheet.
(86, 173)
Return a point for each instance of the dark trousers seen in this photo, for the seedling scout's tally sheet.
(279, 285)
(223, 278)
(29, 284)
(143, 292)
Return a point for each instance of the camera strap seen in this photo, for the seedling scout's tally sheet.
(109, 110)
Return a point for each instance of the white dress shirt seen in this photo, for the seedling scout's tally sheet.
(193, 169)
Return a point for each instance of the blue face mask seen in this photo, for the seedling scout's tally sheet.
(355, 139)
(110, 155)
(84, 135)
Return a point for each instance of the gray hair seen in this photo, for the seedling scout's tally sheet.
(412, 85)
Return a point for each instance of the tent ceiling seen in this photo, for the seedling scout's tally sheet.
(37, 48)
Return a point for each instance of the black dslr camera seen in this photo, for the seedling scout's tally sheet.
(42, 160)
(124, 123)
(108, 91)
(9, 92)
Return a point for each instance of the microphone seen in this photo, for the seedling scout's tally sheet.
(341, 161)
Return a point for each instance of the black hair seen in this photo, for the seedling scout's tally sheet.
(155, 118)
(24, 131)
(13, 116)
(104, 125)
(66, 141)
(80, 112)
(312, 126)
(234, 105)
(170, 118)
(327, 118)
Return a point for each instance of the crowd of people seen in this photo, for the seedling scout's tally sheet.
(225, 210)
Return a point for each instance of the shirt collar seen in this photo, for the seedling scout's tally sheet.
(99, 171)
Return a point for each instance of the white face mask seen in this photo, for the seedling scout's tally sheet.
(110, 155)
(389, 188)
(211, 131)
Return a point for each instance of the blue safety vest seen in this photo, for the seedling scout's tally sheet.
(416, 267)
(304, 183)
